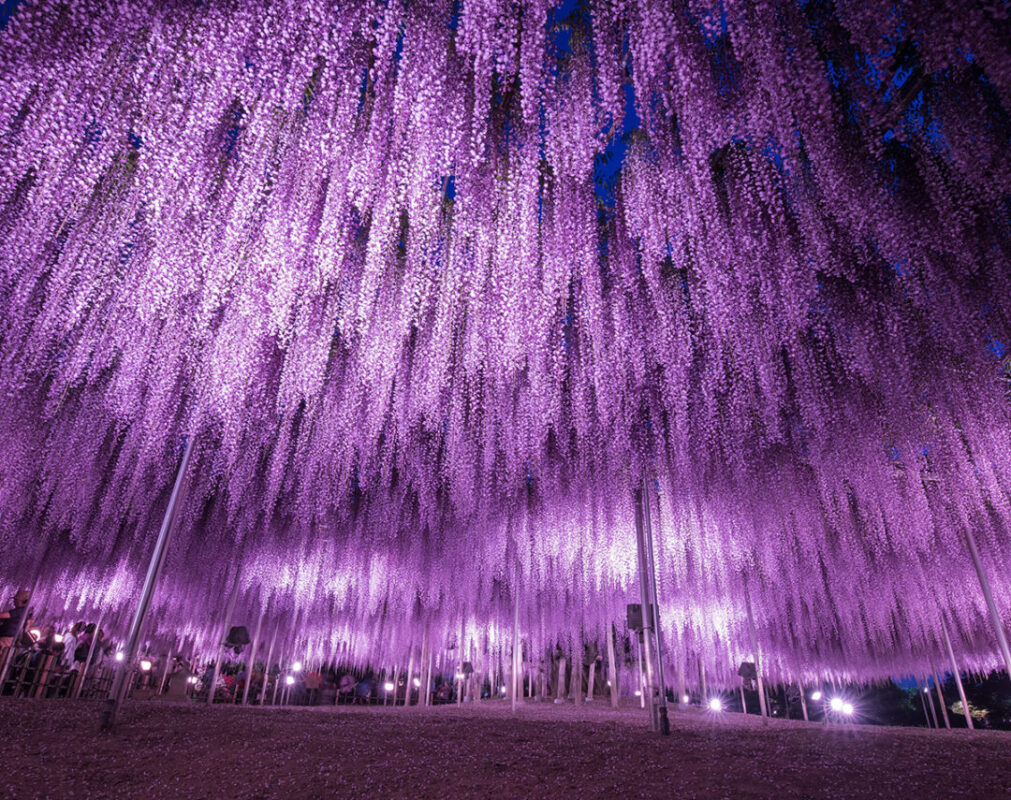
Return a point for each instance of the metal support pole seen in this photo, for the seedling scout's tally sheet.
(645, 636)
(426, 682)
(664, 722)
(940, 696)
(923, 702)
(930, 702)
(266, 664)
(642, 673)
(165, 672)
(91, 654)
(459, 661)
(612, 669)
(576, 681)
(516, 642)
(984, 583)
(758, 661)
(410, 676)
(124, 668)
(221, 641)
(280, 676)
(803, 700)
(958, 677)
(252, 659)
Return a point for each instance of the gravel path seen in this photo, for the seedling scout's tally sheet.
(159, 751)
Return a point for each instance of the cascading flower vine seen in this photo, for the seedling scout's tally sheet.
(363, 253)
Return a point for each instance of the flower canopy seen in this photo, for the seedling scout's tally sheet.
(435, 284)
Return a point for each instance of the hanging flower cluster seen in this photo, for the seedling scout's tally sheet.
(434, 284)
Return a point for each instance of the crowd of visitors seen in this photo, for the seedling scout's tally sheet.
(38, 660)
(45, 660)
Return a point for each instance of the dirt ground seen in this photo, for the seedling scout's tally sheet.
(53, 749)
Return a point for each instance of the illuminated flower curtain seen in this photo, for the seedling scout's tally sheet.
(434, 284)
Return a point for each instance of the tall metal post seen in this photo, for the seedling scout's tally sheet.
(930, 702)
(958, 677)
(266, 664)
(410, 676)
(612, 669)
(516, 640)
(984, 583)
(940, 695)
(923, 702)
(758, 660)
(91, 654)
(221, 641)
(252, 659)
(125, 667)
(654, 608)
(645, 636)
(165, 670)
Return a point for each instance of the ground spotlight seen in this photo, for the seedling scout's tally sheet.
(120, 656)
(715, 704)
(296, 667)
(388, 686)
(289, 679)
(816, 695)
(836, 704)
(417, 681)
(685, 699)
(847, 709)
(145, 665)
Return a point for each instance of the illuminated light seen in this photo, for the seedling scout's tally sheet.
(685, 698)
(503, 690)
(638, 693)
(608, 683)
(836, 704)
(191, 679)
(35, 633)
(417, 681)
(289, 679)
(296, 667)
(816, 695)
(847, 709)
(120, 656)
(58, 638)
(388, 686)
(145, 665)
(715, 704)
